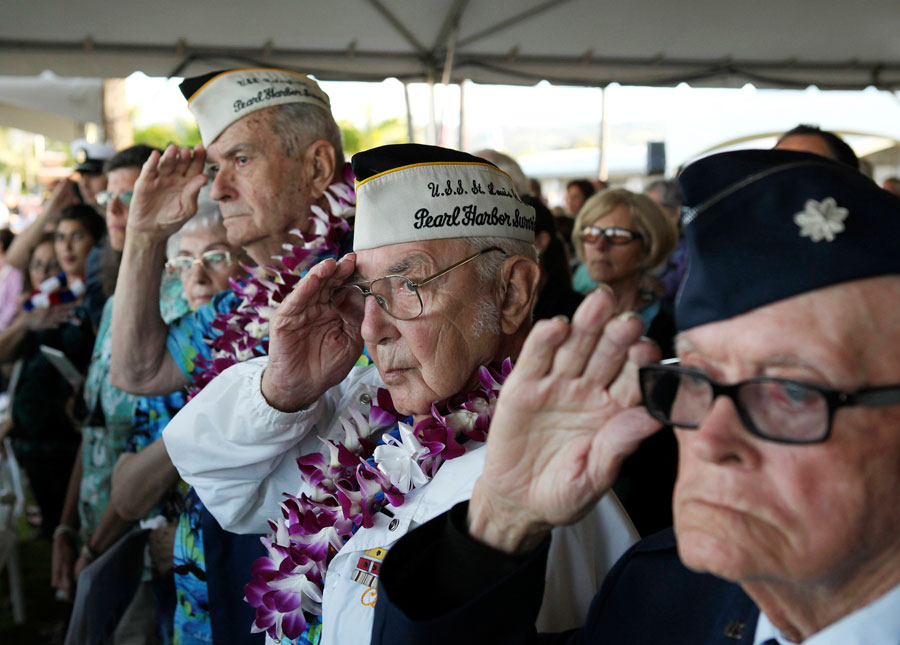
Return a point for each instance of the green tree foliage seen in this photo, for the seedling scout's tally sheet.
(7, 157)
(386, 132)
(160, 135)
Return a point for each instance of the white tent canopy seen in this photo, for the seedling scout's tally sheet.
(724, 43)
(54, 107)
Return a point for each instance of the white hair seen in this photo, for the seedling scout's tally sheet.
(486, 319)
(508, 165)
(297, 125)
(208, 218)
(487, 268)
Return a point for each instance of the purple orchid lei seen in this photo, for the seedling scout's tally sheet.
(245, 330)
(349, 484)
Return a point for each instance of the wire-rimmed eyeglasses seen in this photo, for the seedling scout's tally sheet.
(396, 294)
(775, 409)
(214, 260)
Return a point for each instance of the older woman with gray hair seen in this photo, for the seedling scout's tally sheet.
(201, 255)
(440, 292)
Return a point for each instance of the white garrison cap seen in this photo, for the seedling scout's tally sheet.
(219, 99)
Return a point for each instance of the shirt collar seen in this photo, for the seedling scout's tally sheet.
(878, 623)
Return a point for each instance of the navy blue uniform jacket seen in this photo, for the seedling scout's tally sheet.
(439, 586)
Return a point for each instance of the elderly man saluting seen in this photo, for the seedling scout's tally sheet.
(440, 290)
(273, 158)
(786, 407)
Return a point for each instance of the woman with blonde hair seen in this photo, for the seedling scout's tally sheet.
(621, 238)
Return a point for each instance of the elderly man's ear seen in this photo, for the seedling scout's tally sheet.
(320, 166)
(521, 276)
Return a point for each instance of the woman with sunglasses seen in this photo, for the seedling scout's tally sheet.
(622, 238)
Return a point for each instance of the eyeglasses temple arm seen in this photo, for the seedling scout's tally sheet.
(453, 266)
(878, 396)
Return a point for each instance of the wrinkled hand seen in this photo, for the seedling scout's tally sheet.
(567, 417)
(161, 543)
(62, 565)
(49, 318)
(310, 348)
(165, 195)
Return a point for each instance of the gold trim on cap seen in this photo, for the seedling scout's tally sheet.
(247, 69)
(433, 163)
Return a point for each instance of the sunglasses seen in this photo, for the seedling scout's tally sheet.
(104, 198)
(613, 235)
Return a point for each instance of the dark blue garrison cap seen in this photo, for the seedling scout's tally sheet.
(764, 225)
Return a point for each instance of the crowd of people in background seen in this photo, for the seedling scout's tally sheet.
(113, 300)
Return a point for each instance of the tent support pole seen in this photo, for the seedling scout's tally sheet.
(603, 161)
(432, 126)
(445, 81)
(462, 143)
(409, 120)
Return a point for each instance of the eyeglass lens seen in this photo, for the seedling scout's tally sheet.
(395, 294)
(771, 408)
(211, 260)
(49, 265)
(105, 197)
(615, 235)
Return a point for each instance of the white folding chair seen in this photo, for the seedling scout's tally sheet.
(12, 503)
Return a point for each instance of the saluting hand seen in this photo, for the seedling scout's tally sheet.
(62, 197)
(566, 418)
(310, 348)
(165, 195)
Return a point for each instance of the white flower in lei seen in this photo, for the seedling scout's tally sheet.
(821, 220)
(399, 460)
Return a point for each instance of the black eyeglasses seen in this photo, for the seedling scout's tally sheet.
(774, 409)
(613, 235)
(396, 294)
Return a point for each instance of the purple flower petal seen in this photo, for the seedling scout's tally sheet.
(254, 590)
(380, 417)
(293, 624)
(286, 601)
(263, 567)
(265, 619)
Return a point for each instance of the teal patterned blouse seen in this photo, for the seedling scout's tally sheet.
(111, 413)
